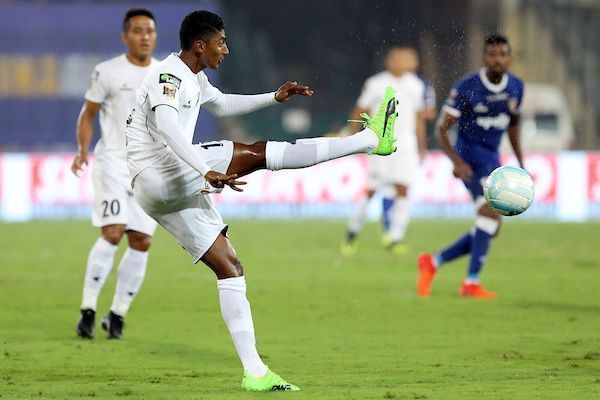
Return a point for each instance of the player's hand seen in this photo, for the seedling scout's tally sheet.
(80, 160)
(218, 180)
(462, 170)
(290, 89)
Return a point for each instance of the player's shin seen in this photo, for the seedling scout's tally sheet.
(400, 216)
(485, 228)
(307, 152)
(99, 263)
(132, 270)
(235, 309)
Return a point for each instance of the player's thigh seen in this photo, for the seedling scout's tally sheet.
(110, 195)
(195, 229)
(401, 170)
(247, 158)
(137, 219)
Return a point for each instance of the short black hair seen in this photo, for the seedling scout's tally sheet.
(135, 12)
(495, 39)
(199, 24)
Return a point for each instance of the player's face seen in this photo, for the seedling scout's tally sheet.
(497, 58)
(214, 50)
(400, 61)
(140, 37)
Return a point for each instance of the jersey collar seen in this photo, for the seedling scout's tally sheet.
(493, 87)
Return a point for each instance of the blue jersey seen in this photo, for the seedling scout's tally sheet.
(484, 112)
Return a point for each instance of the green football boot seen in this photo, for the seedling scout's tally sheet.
(270, 382)
(383, 123)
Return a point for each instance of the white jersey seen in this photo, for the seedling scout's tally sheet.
(170, 83)
(113, 85)
(410, 93)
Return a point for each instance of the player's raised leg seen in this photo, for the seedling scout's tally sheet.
(99, 264)
(376, 138)
(235, 308)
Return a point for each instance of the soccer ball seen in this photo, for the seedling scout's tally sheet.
(509, 190)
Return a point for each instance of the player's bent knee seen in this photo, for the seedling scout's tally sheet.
(139, 241)
(489, 225)
(113, 233)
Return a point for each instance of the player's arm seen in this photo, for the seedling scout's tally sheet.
(84, 133)
(422, 133)
(515, 138)
(222, 105)
(170, 130)
(462, 170)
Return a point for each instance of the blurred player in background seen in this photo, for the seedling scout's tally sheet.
(115, 212)
(172, 178)
(396, 172)
(486, 104)
(389, 193)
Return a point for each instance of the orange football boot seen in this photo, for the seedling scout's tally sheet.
(426, 274)
(476, 290)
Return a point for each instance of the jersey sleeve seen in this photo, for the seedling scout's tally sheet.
(456, 102)
(368, 95)
(516, 98)
(98, 90)
(164, 89)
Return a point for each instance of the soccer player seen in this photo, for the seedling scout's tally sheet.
(394, 172)
(172, 178)
(389, 193)
(486, 104)
(112, 94)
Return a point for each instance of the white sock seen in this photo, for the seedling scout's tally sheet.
(307, 152)
(99, 263)
(358, 217)
(132, 270)
(238, 318)
(400, 217)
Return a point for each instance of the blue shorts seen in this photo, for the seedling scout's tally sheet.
(480, 173)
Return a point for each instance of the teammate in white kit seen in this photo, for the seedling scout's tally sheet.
(171, 178)
(115, 212)
(395, 172)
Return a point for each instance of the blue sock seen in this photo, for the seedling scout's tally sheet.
(387, 205)
(459, 248)
(479, 249)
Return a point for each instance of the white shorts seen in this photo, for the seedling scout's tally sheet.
(396, 169)
(169, 191)
(114, 203)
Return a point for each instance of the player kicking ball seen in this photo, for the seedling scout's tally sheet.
(171, 178)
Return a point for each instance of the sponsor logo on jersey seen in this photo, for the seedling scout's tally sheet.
(500, 122)
(497, 97)
(125, 88)
(188, 104)
(480, 108)
(169, 78)
(169, 91)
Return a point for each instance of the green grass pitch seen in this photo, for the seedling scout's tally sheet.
(340, 328)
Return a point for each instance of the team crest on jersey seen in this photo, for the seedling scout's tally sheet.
(169, 78)
(169, 91)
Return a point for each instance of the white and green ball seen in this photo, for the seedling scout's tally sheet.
(509, 190)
